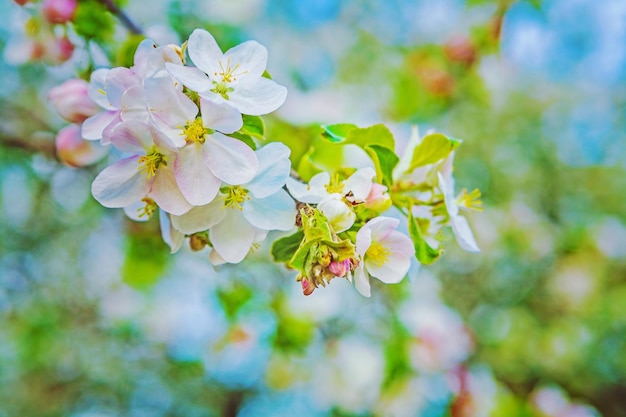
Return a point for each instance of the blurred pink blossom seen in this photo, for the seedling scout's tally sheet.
(74, 151)
(59, 11)
(72, 101)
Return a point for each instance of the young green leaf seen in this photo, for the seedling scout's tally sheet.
(253, 126)
(374, 135)
(433, 148)
(337, 133)
(284, 248)
(423, 251)
(385, 161)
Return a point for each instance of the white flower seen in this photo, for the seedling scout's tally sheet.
(335, 198)
(148, 171)
(385, 253)
(241, 213)
(234, 77)
(460, 226)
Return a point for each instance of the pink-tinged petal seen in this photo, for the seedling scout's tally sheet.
(392, 271)
(95, 90)
(382, 227)
(200, 218)
(195, 179)
(134, 106)
(363, 241)
(302, 192)
(262, 97)
(120, 184)
(360, 183)
(233, 236)
(106, 133)
(274, 168)
(166, 194)
(399, 243)
(143, 51)
(276, 212)
(163, 143)
(204, 51)
(362, 281)
(339, 215)
(220, 116)
(168, 104)
(73, 150)
(230, 159)
(191, 77)
(251, 57)
(132, 137)
(93, 127)
(464, 234)
(119, 80)
(171, 236)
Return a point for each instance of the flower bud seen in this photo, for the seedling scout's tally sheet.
(61, 50)
(339, 215)
(307, 287)
(72, 102)
(378, 199)
(339, 269)
(59, 11)
(73, 150)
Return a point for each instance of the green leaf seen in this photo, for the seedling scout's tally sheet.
(337, 133)
(284, 248)
(423, 251)
(374, 135)
(93, 21)
(385, 161)
(433, 148)
(306, 168)
(253, 126)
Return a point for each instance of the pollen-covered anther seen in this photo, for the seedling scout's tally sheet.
(195, 132)
(148, 209)
(150, 163)
(235, 197)
(378, 253)
(470, 200)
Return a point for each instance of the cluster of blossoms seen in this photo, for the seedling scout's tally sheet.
(187, 141)
(46, 38)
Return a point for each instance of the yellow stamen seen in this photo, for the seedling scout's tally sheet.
(195, 132)
(149, 163)
(235, 197)
(471, 200)
(149, 208)
(335, 185)
(227, 75)
(378, 253)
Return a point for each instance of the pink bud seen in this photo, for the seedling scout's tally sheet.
(339, 269)
(59, 11)
(72, 102)
(378, 199)
(307, 287)
(75, 151)
(21, 2)
(62, 50)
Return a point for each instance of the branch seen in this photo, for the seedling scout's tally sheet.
(129, 24)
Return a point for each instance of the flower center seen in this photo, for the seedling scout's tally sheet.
(235, 197)
(149, 163)
(470, 201)
(335, 185)
(195, 132)
(378, 254)
(227, 76)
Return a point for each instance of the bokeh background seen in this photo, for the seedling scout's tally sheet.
(97, 319)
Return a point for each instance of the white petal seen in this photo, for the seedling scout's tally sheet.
(360, 183)
(200, 218)
(119, 80)
(392, 271)
(93, 127)
(134, 105)
(132, 137)
(340, 216)
(262, 97)
(362, 281)
(120, 184)
(363, 241)
(132, 211)
(276, 212)
(95, 90)
(195, 179)
(382, 227)
(274, 167)
(302, 192)
(251, 57)
(204, 51)
(166, 193)
(168, 104)
(233, 236)
(447, 188)
(230, 159)
(220, 116)
(464, 234)
(191, 77)
(399, 243)
(171, 236)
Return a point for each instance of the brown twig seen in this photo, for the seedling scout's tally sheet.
(123, 17)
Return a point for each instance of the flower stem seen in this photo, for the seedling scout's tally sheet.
(123, 17)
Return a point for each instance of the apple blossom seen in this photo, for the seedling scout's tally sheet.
(385, 253)
(71, 100)
(73, 150)
(147, 171)
(240, 212)
(59, 11)
(234, 77)
(459, 224)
